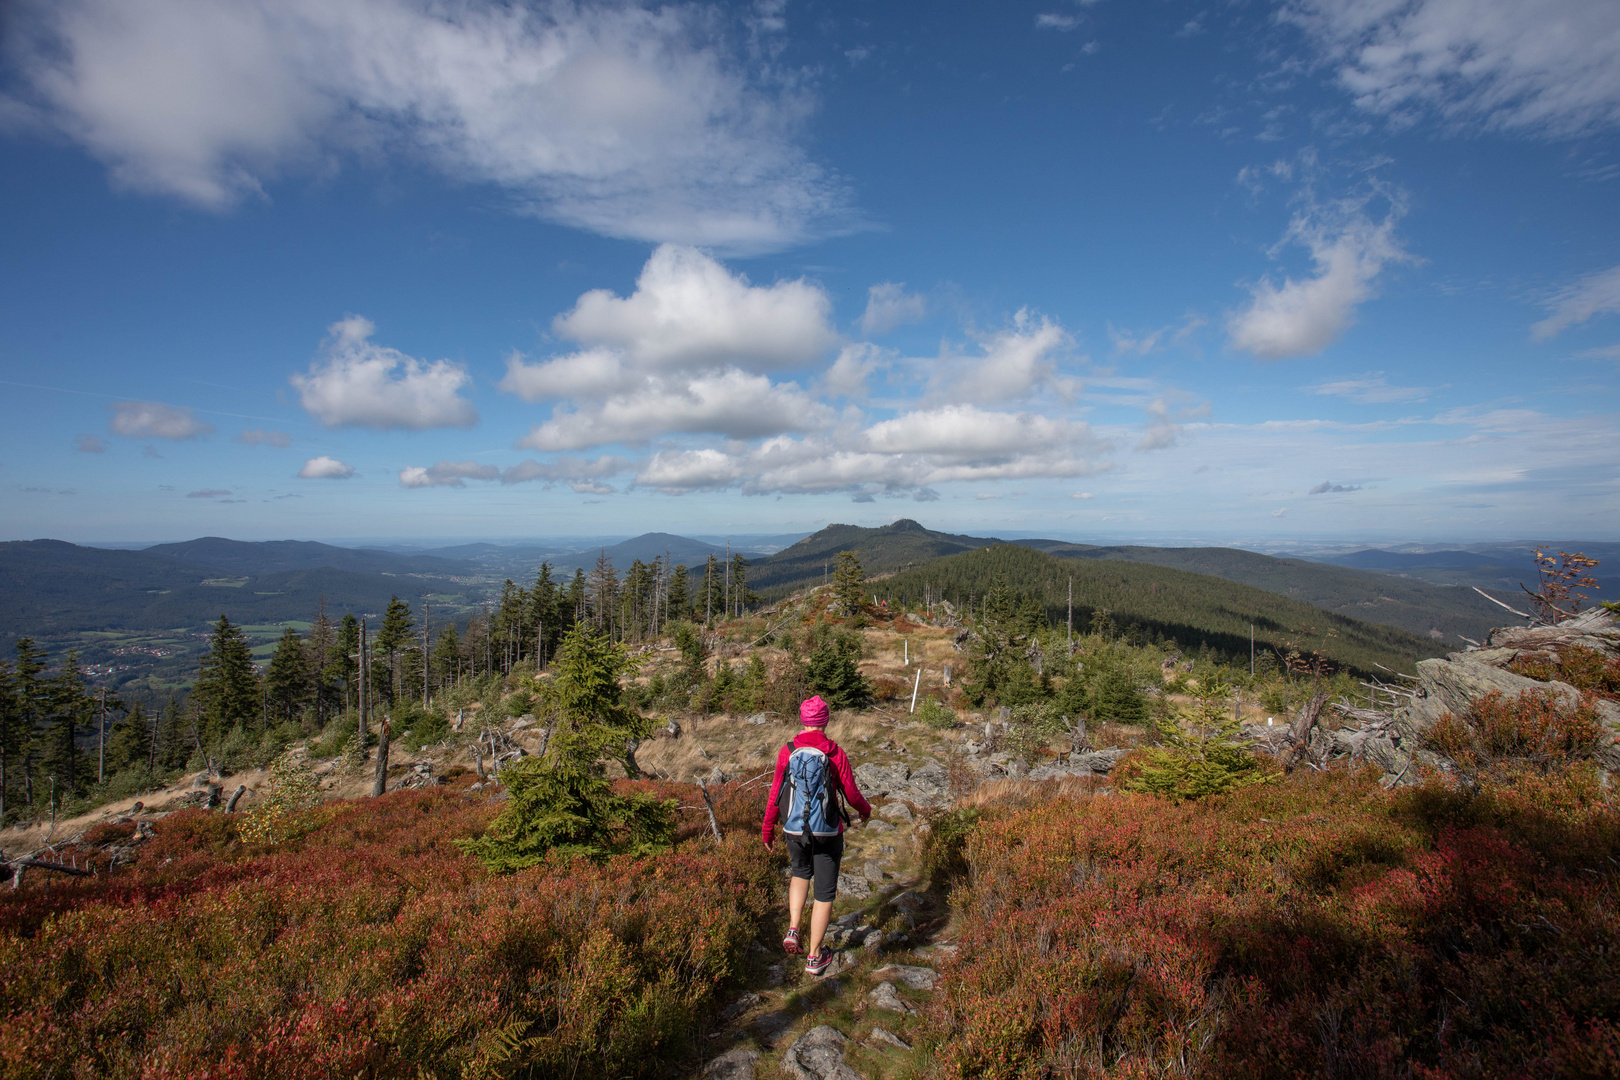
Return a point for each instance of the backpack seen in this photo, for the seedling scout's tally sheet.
(810, 805)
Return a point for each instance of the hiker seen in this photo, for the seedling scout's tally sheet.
(818, 778)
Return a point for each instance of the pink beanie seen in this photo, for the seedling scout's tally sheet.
(813, 713)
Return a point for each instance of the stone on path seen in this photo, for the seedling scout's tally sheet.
(878, 825)
(885, 996)
(888, 1038)
(918, 978)
(737, 1064)
(910, 900)
(740, 1006)
(819, 1055)
(850, 885)
(873, 871)
(895, 811)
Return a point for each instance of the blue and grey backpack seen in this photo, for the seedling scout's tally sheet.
(811, 806)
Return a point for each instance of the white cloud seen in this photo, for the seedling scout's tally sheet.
(731, 403)
(154, 420)
(259, 437)
(1056, 21)
(1161, 430)
(355, 384)
(855, 364)
(1153, 340)
(689, 311)
(1595, 294)
(907, 453)
(1371, 389)
(1301, 317)
(1327, 487)
(591, 373)
(888, 305)
(446, 474)
(1014, 362)
(207, 493)
(90, 444)
(1545, 68)
(1081, 495)
(636, 122)
(325, 468)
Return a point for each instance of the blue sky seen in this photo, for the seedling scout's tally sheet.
(1247, 272)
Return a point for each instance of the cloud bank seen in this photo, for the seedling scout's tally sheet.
(155, 420)
(358, 383)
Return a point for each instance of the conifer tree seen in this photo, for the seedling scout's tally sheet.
(563, 802)
(679, 601)
(849, 584)
(319, 647)
(604, 593)
(1207, 758)
(393, 635)
(226, 694)
(70, 708)
(288, 682)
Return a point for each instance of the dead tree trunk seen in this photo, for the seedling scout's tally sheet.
(708, 804)
(236, 797)
(1299, 732)
(380, 785)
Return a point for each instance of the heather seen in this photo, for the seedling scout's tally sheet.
(375, 947)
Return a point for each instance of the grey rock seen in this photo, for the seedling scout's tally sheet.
(877, 825)
(885, 996)
(1452, 685)
(775, 975)
(885, 1037)
(818, 1054)
(847, 921)
(850, 885)
(735, 1064)
(895, 811)
(717, 776)
(880, 779)
(910, 900)
(757, 719)
(932, 780)
(896, 939)
(918, 978)
(873, 871)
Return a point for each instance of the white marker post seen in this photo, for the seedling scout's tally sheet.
(914, 688)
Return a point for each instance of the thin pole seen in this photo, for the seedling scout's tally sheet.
(1071, 614)
(101, 750)
(914, 687)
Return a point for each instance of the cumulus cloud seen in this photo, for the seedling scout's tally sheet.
(1161, 430)
(358, 383)
(647, 123)
(325, 468)
(1013, 363)
(1048, 20)
(1299, 317)
(909, 452)
(731, 403)
(1328, 488)
(259, 437)
(688, 311)
(1541, 68)
(855, 364)
(889, 305)
(1595, 294)
(90, 444)
(446, 474)
(154, 420)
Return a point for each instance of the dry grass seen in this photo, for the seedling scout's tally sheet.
(1023, 794)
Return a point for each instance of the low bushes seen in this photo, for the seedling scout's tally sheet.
(373, 947)
(1320, 926)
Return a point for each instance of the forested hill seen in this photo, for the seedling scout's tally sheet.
(1448, 613)
(277, 556)
(51, 587)
(1153, 602)
(892, 547)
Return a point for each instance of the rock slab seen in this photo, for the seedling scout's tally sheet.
(918, 978)
(819, 1055)
(735, 1064)
(885, 996)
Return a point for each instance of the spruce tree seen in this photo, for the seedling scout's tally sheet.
(70, 709)
(226, 693)
(833, 671)
(392, 636)
(563, 802)
(288, 682)
(1204, 756)
(679, 601)
(849, 585)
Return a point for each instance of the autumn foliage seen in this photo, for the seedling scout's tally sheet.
(1320, 927)
(374, 947)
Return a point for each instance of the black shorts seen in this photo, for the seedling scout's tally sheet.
(819, 861)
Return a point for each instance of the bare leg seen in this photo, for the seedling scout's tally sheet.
(798, 893)
(819, 914)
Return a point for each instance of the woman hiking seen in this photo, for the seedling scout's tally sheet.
(816, 773)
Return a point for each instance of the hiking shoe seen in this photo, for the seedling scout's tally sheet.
(820, 962)
(790, 942)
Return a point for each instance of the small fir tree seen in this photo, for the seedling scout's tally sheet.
(849, 585)
(563, 802)
(1207, 758)
(833, 671)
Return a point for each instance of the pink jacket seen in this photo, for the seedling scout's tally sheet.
(840, 766)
